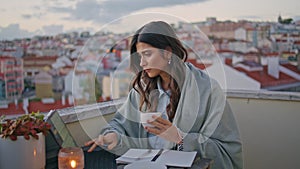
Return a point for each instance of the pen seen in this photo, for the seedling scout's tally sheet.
(157, 155)
(144, 154)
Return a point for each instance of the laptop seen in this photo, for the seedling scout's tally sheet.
(59, 130)
(59, 136)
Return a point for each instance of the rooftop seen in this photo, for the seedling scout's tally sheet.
(266, 80)
(267, 121)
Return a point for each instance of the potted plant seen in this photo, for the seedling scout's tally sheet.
(22, 141)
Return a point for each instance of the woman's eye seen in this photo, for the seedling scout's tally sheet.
(147, 54)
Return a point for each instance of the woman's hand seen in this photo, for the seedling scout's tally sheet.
(110, 140)
(164, 129)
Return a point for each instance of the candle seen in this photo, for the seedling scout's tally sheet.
(70, 158)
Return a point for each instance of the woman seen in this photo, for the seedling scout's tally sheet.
(195, 113)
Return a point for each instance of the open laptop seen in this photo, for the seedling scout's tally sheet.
(59, 130)
(59, 136)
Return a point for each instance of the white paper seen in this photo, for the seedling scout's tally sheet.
(137, 155)
(168, 157)
(177, 158)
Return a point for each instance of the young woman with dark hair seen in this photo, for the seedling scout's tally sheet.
(195, 113)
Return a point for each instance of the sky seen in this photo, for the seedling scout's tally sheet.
(21, 19)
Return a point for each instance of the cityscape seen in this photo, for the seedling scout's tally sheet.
(42, 73)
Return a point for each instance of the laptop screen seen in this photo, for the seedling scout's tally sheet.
(59, 130)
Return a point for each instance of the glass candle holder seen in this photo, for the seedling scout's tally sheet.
(70, 158)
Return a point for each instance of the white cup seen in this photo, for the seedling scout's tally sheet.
(147, 116)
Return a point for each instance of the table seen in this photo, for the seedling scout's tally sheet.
(101, 159)
(199, 163)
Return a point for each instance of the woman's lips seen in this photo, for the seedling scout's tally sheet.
(147, 70)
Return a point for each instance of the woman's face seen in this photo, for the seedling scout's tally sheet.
(153, 60)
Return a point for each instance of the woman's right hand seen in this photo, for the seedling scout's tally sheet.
(109, 140)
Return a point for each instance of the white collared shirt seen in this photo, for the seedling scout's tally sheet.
(163, 100)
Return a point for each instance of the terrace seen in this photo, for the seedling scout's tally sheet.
(268, 123)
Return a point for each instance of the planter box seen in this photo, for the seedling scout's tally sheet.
(27, 154)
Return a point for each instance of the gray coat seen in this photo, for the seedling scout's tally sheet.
(203, 114)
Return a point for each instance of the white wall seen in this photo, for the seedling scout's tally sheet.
(240, 34)
(270, 132)
(231, 79)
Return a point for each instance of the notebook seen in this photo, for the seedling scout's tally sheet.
(167, 157)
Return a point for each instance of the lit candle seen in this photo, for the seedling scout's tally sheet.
(70, 158)
(73, 163)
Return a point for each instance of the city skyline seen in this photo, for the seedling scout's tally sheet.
(28, 18)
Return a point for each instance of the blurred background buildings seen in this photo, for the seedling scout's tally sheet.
(49, 72)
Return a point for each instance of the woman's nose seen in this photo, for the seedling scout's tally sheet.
(142, 62)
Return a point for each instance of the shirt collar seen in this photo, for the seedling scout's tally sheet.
(161, 90)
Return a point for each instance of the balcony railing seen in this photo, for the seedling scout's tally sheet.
(268, 123)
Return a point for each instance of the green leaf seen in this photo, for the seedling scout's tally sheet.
(1, 121)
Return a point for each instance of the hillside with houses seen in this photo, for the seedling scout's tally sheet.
(52, 72)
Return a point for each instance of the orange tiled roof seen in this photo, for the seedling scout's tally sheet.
(291, 67)
(33, 106)
(267, 80)
(198, 65)
(12, 109)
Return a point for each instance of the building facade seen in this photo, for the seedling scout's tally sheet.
(11, 78)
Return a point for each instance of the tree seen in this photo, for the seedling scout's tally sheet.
(286, 21)
(98, 89)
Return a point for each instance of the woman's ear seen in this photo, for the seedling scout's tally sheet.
(168, 52)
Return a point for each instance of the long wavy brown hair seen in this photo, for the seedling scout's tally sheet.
(162, 36)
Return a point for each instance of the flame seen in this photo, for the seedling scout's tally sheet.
(34, 152)
(73, 163)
